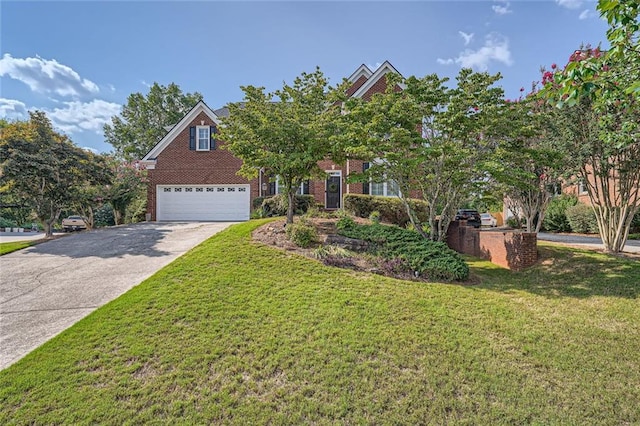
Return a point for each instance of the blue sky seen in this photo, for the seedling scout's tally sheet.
(79, 60)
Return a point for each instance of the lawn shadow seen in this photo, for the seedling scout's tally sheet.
(565, 272)
(140, 239)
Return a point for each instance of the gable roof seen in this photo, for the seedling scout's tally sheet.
(383, 69)
(181, 125)
(362, 71)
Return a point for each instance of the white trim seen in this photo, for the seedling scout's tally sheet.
(326, 189)
(386, 67)
(182, 124)
(299, 191)
(385, 188)
(362, 70)
(207, 139)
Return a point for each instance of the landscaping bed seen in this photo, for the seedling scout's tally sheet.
(375, 248)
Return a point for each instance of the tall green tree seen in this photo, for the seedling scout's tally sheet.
(143, 119)
(428, 138)
(129, 188)
(599, 95)
(284, 133)
(526, 166)
(45, 169)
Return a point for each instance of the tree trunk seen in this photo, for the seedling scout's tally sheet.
(292, 205)
(413, 219)
(49, 221)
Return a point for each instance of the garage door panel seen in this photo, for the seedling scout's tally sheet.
(184, 202)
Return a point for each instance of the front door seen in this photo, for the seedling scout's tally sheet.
(333, 190)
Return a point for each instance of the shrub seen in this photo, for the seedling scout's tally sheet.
(257, 203)
(315, 211)
(323, 252)
(427, 258)
(582, 219)
(513, 222)
(345, 223)
(302, 233)
(390, 209)
(279, 204)
(7, 223)
(635, 224)
(375, 216)
(135, 211)
(103, 216)
(555, 219)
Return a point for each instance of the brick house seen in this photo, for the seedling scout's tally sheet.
(191, 178)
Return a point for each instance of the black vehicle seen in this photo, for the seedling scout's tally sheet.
(471, 216)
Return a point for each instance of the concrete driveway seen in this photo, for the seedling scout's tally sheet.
(46, 288)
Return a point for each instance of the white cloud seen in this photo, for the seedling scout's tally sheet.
(586, 14)
(12, 109)
(502, 8)
(495, 49)
(447, 61)
(83, 116)
(570, 4)
(467, 37)
(47, 76)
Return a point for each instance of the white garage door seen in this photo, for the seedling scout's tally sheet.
(202, 202)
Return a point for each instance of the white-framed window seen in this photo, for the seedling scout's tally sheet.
(203, 137)
(384, 189)
(280, 187)
(376, 188)
(582, 188)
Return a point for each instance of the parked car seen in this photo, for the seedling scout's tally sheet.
(74, 223)
(488, 220)
(471, 216)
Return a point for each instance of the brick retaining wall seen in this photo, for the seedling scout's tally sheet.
(510, 249)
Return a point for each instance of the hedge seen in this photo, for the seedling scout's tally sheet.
(277, 205)
(390, 208)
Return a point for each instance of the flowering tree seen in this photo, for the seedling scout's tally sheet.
(599, 94)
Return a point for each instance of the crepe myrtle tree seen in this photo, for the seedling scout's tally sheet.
(525, 166)
(285, 132)
(428, 138)
(598, 93)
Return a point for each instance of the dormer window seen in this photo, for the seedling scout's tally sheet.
(203, 137)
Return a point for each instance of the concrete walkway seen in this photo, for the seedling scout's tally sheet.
(46, 288)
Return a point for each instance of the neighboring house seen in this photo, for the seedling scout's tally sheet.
(192, 179)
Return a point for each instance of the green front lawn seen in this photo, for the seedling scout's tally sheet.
(6, 248)
(236, 332)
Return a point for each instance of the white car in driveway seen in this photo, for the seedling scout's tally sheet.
(486, 219)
